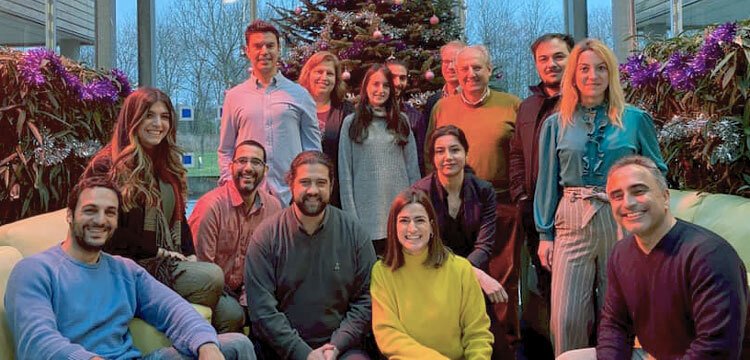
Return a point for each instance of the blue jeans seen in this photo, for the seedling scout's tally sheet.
(234, 346)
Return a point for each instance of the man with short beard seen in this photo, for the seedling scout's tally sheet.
(74, 301)
(223, 221)
(550, 53)
(307, 273)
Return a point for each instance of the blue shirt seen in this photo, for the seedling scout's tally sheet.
(581, 154)
(61, 308)
(282, 117)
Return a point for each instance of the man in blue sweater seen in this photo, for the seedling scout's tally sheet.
(680, 288)
(74, 301)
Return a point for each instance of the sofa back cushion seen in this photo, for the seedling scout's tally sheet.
(726, 215)
(9, 257)
(35, 234)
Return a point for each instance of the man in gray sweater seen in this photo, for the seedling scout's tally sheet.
(307, 273)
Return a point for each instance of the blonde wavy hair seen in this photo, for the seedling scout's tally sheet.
(570, 97)
(133, 169)
(338, 94)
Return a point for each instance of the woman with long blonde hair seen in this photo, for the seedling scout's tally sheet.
(593, 129)
(144, 161)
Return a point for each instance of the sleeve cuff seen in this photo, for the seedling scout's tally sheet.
(201, 339)
(546, 237)
(81, 354)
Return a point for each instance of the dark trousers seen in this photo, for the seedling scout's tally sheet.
(535, 310)
(504, 267)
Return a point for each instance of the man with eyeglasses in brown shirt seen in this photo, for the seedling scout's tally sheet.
(223, 222)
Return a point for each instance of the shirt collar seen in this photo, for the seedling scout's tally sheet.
(326, 214)
(237, 200)
(274, 80)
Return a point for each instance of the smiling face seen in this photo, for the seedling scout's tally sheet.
(263, 52)
(448, 64)
(592, 78)
(413, 228)
(311, 189)
(154, 125)
(322, 80)
(248, 169)
(94, 219)
(638, 203)
(473, 72)
(550, 59)
(378, 89)
(450, 156)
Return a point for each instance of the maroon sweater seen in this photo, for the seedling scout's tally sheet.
(687, 299)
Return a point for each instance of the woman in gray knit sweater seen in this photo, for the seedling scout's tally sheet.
(377, 155)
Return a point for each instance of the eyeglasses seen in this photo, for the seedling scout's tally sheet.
(255, 162)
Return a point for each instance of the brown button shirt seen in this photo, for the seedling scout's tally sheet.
(222, 225)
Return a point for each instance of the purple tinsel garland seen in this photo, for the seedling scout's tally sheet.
(681, 70)
(101, 90)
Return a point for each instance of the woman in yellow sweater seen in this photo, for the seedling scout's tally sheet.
(426, 301)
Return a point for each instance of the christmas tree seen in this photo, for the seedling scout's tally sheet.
(362, 33)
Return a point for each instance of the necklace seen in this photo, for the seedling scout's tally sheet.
(484, 96)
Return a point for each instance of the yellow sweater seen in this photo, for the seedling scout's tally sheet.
(428, 313)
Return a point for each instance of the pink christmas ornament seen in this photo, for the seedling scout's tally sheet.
(346, 75)
(377, 35)
(429, 75)
(434, 20)
(398, 2)
(298, 10)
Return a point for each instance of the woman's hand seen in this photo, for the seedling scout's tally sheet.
(495, 292)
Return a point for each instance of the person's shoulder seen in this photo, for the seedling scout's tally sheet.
(272, 224)
(239, 89)
(214, 197)
(635, 114)
(696, 238)
(423, 183)
(504, 98)
(271, 202)
(347, 224)
(39, 263)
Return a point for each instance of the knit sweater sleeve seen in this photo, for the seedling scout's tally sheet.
(345, 165)
(31, 318)
(392, 338)
(476, 337)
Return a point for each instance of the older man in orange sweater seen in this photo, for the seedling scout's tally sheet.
(488, 117)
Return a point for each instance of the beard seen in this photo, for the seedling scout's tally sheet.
(309, 209)
(248, 188)
(79, 235)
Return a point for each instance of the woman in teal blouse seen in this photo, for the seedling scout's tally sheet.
(593, 129)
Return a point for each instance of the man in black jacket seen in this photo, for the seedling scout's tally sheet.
(550, 57)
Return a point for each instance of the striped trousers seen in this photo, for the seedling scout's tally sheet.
(585, 233)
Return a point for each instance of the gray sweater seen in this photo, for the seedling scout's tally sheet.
(372, 173)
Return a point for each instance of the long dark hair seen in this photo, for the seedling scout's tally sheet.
(134, 171)
(363, 112)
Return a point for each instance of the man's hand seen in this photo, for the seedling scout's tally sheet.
(192, 258)
(319, 353)
(545, 254)
(331, 354)
(491, 287)
(209, 351)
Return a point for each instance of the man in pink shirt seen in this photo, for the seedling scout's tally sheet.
(223, 222)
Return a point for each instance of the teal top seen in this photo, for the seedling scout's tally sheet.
(582, 153)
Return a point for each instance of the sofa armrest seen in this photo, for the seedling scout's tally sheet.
(147, 339)
(9, 257)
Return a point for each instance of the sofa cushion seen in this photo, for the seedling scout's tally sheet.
(149, 339)
(727, 215)
(684, 204)
(9, 256)
(35, 234)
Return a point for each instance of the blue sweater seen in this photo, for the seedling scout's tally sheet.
(581, 154)
(61, 308)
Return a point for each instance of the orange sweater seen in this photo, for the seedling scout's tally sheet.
(488, 129)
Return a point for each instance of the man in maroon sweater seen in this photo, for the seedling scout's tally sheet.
(680, 288)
